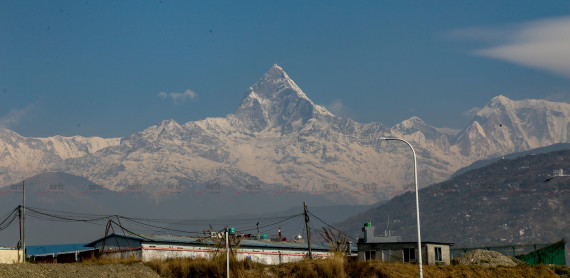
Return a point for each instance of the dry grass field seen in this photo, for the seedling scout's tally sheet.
(333, 267)
(337, 267)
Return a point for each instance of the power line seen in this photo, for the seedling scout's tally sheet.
(330, 226)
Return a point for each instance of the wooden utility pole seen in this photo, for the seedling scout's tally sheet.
(24, 219)
(20, 241)
(308, 230)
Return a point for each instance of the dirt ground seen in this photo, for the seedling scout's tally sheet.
(77, 270)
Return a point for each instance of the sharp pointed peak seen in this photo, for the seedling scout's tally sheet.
(276, 67)
(276, 72)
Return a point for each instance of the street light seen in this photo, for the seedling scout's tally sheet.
(417, 200)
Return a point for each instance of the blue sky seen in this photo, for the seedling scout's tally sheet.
(112, 68)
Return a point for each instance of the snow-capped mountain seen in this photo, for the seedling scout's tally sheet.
(278, 139)
(21, 157)
(504, 126)
(276, 102)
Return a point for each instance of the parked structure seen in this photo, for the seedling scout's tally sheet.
(392, 249)
(11, 255)
(162, 247)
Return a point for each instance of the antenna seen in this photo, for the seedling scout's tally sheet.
(387, 226)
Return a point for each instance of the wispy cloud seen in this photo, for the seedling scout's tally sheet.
(338, 108)
(179, 97)
(471, 112)
(559, 97)
(542, 44)
(15, 116)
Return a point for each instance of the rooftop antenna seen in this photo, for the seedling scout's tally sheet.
(387, 232)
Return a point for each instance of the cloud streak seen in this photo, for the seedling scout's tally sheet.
(471, 112)
(542, 44)
(179, 97)
(338, 108)
(15, 116)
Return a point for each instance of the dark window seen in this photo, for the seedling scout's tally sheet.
(409, 255)
(438, 255)
(369, 255)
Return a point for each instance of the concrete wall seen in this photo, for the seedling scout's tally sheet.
(10, 256)
(261, 255)
(123, 254)
(395, 253)
(445, 254)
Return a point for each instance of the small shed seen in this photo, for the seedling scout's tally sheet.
(392, 249)
(11, 255)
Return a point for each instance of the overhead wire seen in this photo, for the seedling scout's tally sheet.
(149, 224)
(158, 227)
(48, 216)
(9, 218)
(278, 222)
(332, 227)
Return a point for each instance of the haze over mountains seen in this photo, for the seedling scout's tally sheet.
(279, 140)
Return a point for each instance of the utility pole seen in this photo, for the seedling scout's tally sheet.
(20, 234)
(308, 230)
(24, 219)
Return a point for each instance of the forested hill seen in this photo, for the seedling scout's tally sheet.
(510, 201)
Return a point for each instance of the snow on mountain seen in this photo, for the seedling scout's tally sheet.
(276, 101)
(278, 139)
(505, 126)
(22, 157)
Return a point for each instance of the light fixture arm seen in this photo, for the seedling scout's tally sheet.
(417, 200)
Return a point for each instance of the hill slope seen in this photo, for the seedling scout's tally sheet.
(510, 201)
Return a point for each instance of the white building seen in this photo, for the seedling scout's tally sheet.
(11, 255)
(393, 249)
(162, 247)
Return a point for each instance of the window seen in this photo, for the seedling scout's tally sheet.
(438, 255)
(369, 255)
(409, 255)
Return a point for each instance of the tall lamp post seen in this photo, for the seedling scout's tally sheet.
(417, 200)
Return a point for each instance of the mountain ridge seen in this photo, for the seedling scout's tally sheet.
(278, 138)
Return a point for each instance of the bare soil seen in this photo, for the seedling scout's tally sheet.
(77, 270)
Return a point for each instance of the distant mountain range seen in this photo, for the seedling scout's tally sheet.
(279, 140)
(510, 201)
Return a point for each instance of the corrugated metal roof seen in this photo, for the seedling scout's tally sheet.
(55, 249)
(197, 240)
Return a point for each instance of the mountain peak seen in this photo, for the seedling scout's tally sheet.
(273, 82)
(501, 99)
(275, 101)
(276, 69)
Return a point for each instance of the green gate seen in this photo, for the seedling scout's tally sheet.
(552, 254)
